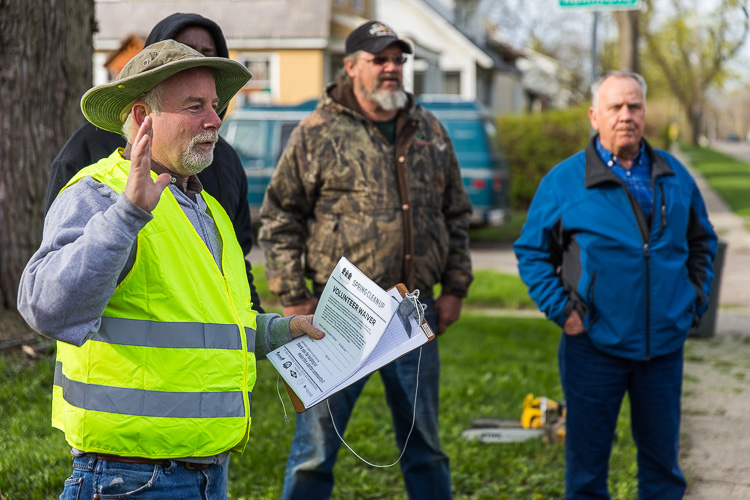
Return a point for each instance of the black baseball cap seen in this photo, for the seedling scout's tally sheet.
(374, 37)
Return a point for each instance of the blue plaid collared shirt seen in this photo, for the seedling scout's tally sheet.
(637, 178)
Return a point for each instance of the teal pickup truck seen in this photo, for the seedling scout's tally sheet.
(259, 134)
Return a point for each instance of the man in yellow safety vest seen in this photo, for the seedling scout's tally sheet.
(141, 280)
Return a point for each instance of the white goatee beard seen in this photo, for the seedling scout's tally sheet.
(385, 100)
(389, 101)
(194, 160)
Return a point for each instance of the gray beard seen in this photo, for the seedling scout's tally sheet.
(196, 160)
(385, 100)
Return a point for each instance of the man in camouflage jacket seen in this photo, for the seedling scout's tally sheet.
(371, 176)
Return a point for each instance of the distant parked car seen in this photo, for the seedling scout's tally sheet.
(260, 133)
(484, 166)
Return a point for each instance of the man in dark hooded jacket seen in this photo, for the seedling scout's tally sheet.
(224, 179)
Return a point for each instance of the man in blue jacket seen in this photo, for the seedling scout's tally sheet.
(617, 250)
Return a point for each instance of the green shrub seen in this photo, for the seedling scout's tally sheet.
(534, 143)
(537, 142)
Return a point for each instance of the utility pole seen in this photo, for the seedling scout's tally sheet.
(628, 29)
(594, 49)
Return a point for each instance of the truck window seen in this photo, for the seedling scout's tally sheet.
(470, 142)
(249, 139)
(286, 131)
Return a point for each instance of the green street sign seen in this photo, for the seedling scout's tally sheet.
(601, 4)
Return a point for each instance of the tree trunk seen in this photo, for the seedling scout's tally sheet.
(694, 119)
(627, 27)
(45, 67)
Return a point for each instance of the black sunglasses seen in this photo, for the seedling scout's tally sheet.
(381, 60)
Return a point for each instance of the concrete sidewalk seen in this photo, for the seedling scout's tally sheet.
(716, 409)
(734, 291)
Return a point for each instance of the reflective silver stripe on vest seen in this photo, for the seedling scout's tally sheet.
(144, 333)
(141, 402)
(144, 403)
(250, 335)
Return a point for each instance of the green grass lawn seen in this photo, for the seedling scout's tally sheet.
(489, 363)
(493, 289)
(506, 234)
(490, 290)
(729, 177)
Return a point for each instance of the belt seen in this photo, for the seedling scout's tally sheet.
(149, 461)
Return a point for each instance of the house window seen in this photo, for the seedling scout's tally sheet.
(358, 5)
(452, 82)
(340, 2)
(260, 66)
(419, 83)
(259, 89)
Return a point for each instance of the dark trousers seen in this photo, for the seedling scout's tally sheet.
(595, 384)
(425, 467)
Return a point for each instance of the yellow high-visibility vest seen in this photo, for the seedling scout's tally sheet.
(171, 369)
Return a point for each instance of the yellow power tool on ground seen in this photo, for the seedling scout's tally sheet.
(544, 413)
(541, 417)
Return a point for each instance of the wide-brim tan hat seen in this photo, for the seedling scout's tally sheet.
(107, 106)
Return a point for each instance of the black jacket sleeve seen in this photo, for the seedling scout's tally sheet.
(85, 147)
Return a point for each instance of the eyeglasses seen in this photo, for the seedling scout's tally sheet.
(381, 60)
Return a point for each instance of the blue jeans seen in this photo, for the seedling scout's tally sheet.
(142, 481)
(595, 384)
(425, 467)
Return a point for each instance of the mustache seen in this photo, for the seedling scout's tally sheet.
(389, 76)
(208, 136)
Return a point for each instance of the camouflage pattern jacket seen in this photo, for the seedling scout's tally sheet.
(399, 212)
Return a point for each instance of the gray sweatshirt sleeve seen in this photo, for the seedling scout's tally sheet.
(89, 233)
(272, 332)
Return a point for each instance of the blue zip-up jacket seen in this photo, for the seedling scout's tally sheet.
(639, 285)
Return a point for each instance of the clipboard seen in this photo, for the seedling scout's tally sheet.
(425, 329)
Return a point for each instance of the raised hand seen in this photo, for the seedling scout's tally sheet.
(140, 188)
